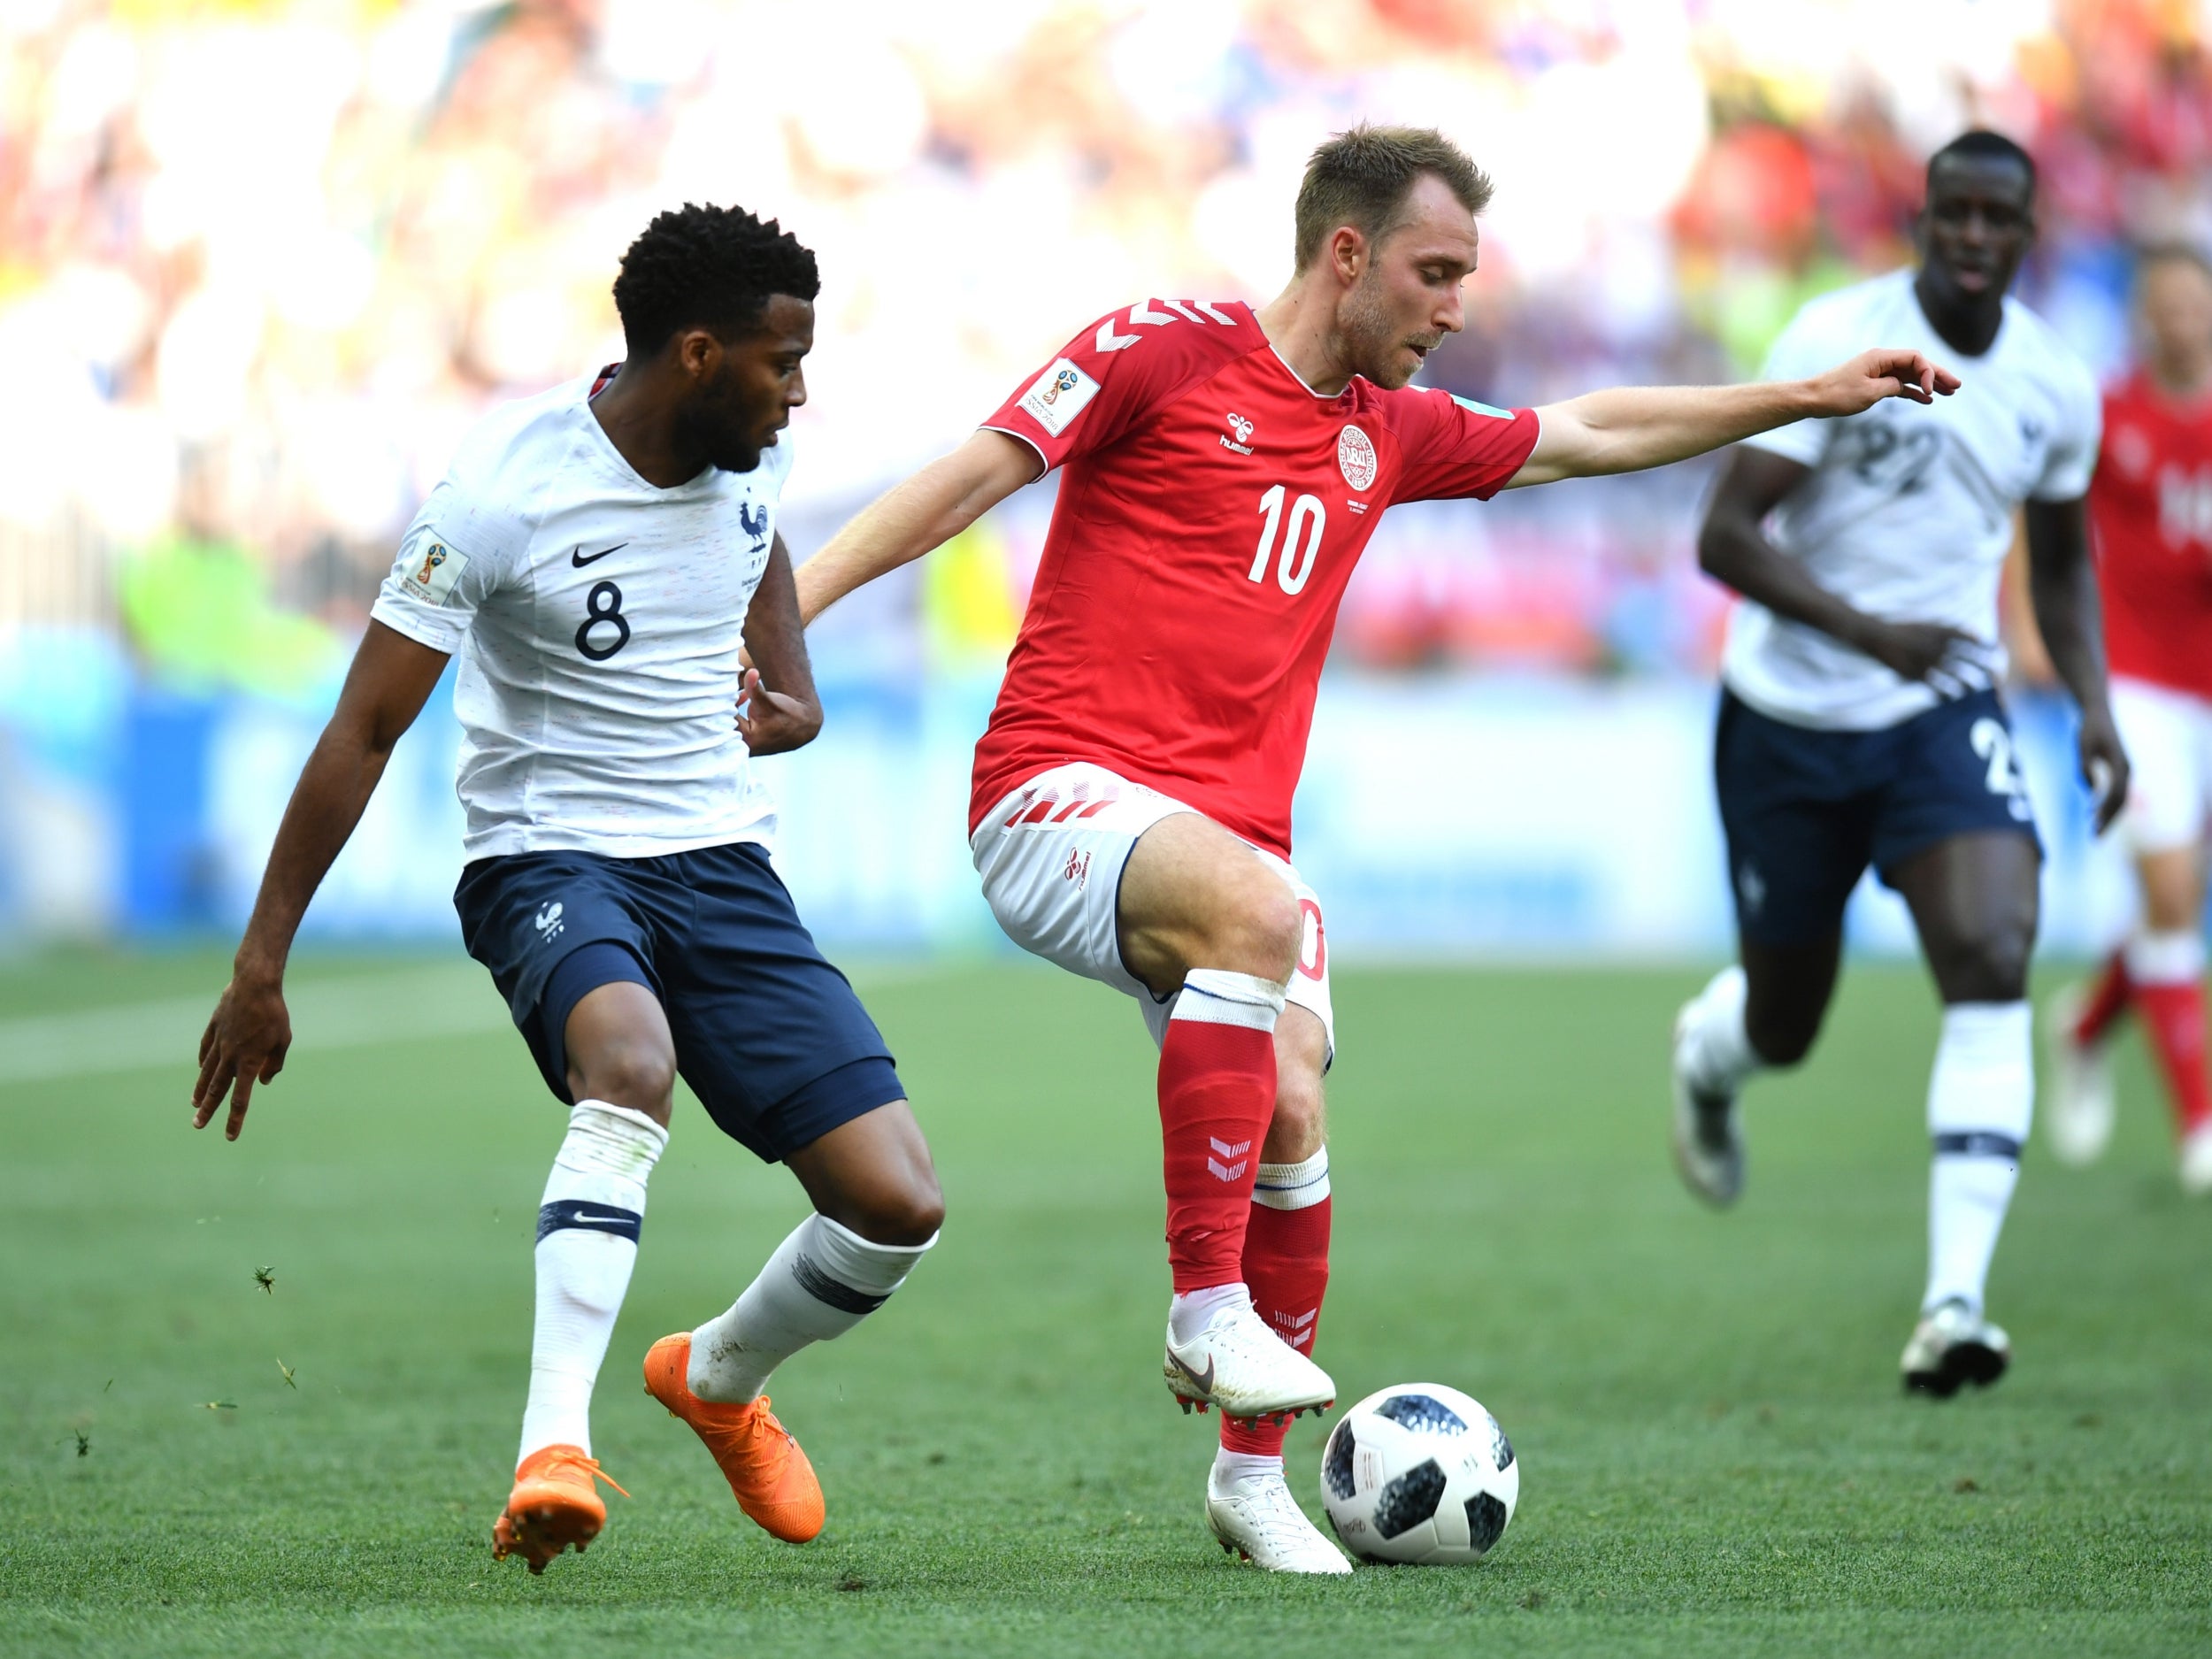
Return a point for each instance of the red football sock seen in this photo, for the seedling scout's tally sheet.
(2173, 1019)
(2109, 999)
(1287, 1266)
(1216, 1094)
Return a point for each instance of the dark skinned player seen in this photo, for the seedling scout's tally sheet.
(1860, 723)
(601, 557)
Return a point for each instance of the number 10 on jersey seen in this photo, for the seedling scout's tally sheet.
(1300, 539)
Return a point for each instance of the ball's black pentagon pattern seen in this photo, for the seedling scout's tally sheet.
(1336, 1462)
(1501, 1447)
(1421, 1414)
(1410, 1499)
(1486, 1519)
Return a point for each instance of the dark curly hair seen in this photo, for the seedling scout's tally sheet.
(707, 267)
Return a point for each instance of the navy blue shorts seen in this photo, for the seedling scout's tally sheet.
(769, 1035)
(1807, 811)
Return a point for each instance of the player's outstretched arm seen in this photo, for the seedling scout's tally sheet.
(244, 1043)
(1732, 549)
(1632, 427)
(928, 509)
(777, 709)
(2063, 587)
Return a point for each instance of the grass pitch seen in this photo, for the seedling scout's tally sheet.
(1717, 1457)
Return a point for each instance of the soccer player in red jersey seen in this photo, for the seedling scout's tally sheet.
(1224, 466)
(2151, 511)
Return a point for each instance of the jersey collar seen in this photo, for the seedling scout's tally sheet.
(1319, 397)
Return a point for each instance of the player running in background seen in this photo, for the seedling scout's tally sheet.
(598, 556)
(2151, 508)
(1130, 810)
(1860, 721)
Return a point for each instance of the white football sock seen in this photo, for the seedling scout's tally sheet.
(823, 1279)
(1194, 1311)
(1980, 1101)
(1235, 1467)
(2175, 958)
(587, 1233)
(1715, 1048)
(1293, 1185)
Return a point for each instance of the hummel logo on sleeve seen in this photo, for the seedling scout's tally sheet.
(579, 558)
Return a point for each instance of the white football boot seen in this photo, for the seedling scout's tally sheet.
(2079, 1093)
(1237, 1363)
(1953, 1346)
(1254, 1517)
(2196, 1162)
(1708, 1133)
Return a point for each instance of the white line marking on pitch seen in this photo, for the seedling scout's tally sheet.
(451, 1000)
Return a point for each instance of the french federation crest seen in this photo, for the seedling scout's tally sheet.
(1355, 457)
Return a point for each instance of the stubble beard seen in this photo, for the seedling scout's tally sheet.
(1372, 338)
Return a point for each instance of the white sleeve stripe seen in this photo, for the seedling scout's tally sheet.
(1045, 459)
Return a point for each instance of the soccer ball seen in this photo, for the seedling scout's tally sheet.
(1419, 1473)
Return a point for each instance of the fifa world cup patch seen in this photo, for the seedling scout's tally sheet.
(1060, 395)
(433, 569)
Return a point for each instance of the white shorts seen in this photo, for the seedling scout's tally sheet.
(2168, 739)
(1051, 856)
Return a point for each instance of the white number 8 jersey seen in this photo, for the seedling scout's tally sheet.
(598, 621)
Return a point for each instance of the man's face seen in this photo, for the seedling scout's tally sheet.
(1406, 298)
(745, 389)
(2175, 301)
(1977, 223)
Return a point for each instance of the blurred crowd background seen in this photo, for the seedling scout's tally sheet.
(261, 261)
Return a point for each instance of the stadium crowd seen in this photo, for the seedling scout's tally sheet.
(261, 261)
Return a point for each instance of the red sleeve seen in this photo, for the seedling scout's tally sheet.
(1453, 447)
(1107, 377)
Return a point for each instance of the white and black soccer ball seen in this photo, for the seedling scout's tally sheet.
(1420, 1474)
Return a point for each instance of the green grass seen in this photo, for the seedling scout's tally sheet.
(1715, 1455)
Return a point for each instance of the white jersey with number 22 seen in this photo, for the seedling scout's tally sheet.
(1907, 512)
(598, 621)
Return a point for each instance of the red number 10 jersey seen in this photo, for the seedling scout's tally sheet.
(1211, 512)
(2151, 507)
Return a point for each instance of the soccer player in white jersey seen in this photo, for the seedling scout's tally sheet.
(1860, 721)
(598, 556)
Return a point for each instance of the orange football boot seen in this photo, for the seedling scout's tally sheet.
(768, 1474)
(554, 1504)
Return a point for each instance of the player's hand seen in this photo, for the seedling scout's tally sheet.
(1871, 376)
(245, 1044)
(1912, 650)
(2104, 763)
(772, 722)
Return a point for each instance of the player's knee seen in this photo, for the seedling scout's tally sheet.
(1261, 930)
(1296, 1131)
(905, 1212)
(1781, 1037)
(638, 1072)
(1991, 967)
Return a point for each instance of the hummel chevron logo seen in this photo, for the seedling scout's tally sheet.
(1203, 1381)
(1227, 1171)
(579, 558)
